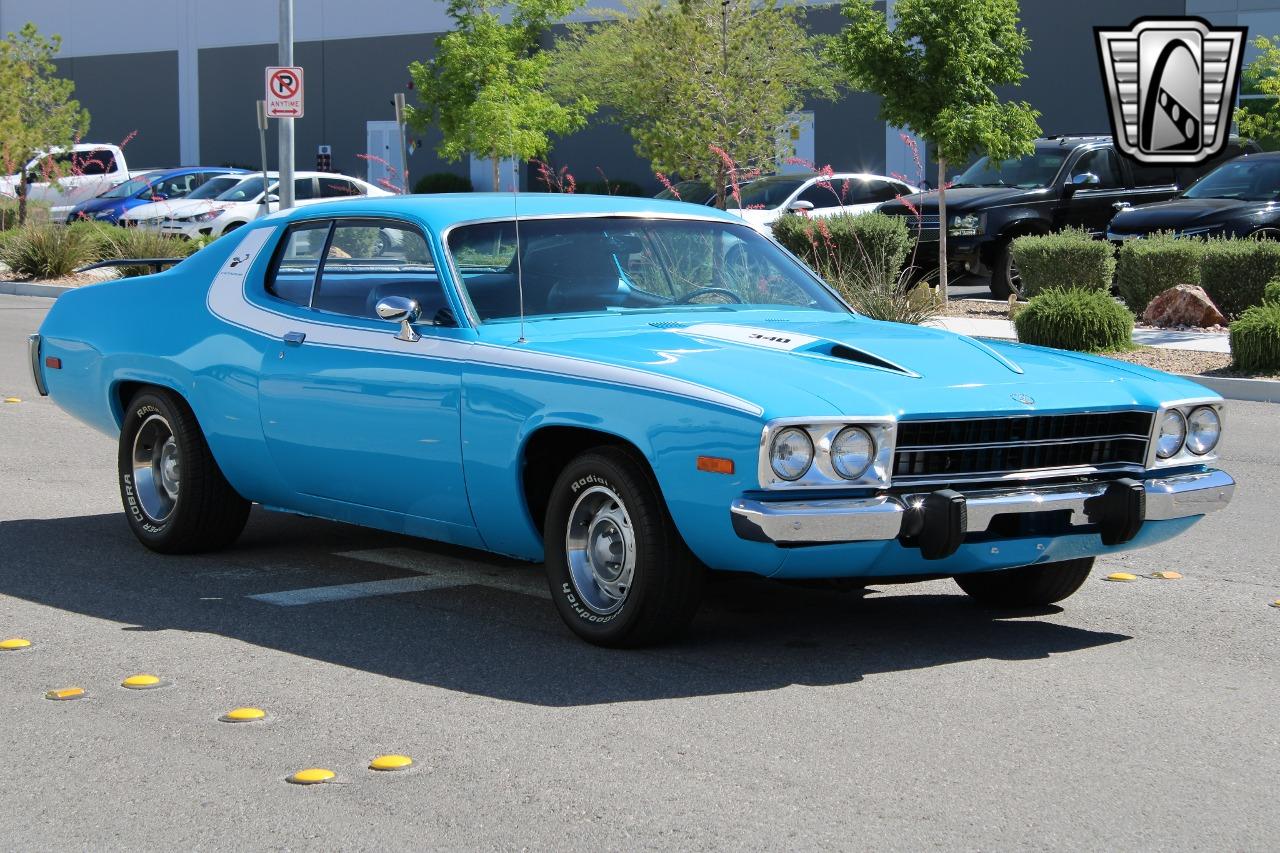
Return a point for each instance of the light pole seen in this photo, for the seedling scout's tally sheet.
(285, 192)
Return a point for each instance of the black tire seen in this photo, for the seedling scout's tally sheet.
(1027, 586)
(1005, 281)
(664, 585)
(203, 513)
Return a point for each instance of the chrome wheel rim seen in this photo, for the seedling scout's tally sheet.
(156, 469)
(600, 545)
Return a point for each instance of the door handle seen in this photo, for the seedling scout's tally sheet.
(295, 338)
(1120, 205)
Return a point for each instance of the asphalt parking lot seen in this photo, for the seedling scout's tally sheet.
(1137, 716)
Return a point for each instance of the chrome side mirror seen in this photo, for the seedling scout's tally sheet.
(1085, 179)
(800, 206)
(402, 310)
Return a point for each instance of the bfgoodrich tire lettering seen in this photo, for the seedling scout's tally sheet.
(1027, 586)
(175, 497)
(619, 573)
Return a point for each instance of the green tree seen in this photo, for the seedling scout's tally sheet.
(936, 71)
(486, 84)
(703, 86)
(37, 111)
(1260, 119)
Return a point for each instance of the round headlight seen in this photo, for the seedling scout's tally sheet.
(1173, 432)
(791, 453)
(852, 451)
(1204, 428)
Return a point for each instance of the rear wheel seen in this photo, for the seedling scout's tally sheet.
(619, 572)
(1027, 586)
(175, 497)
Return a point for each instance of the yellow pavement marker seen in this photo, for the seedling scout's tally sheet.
(243, 715)
(1276, 603)
(142, 681)
(391, 762)
(14, 644)
(1166, 575)
(66, 693)
(1121, 576)
(312, 776)
(12, 400)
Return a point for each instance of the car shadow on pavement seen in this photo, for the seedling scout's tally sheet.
(750, 635)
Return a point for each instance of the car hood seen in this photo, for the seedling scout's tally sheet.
(960, 199)
(798, 363)
(1180, 213)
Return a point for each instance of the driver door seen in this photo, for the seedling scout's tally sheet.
(1090, 204)
(351, 413)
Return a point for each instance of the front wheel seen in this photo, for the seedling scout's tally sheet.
(175, 497)
(619, 572)
(1006, 281)
(1027, 586)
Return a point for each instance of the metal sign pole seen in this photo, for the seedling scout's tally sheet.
(404, 149)
(286, 124)
(262, 145)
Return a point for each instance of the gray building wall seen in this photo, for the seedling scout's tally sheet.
(127, 93)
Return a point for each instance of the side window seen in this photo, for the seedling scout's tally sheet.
(369, 260)
(877, 191)
(304, 188)
(294, 273)
(822, 194)
(337, 188)
(1101, 162)
(97, 162)
(1152, 176)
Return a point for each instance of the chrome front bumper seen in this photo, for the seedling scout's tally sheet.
(890, 517)
(33, 355)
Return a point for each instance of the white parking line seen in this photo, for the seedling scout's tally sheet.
(436, 572)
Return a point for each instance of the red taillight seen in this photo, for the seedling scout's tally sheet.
(53, 362)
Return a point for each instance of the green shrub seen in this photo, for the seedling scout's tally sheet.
(357, 242)
(1082, 319)
(1068, 259)
(624, 188)
(49, 251)
(1271, 293)
(1255, 338)
(442, 182)
(37, 211)
(1145, 268)
(846, 241)
(1235, 272)
(142, 243)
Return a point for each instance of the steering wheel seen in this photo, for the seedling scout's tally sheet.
(708, 291)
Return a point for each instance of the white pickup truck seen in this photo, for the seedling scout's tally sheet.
(63, 178)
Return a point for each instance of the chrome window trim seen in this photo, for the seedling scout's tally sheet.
(1185, 457)
(822, 430)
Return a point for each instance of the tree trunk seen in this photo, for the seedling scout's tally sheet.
(497, 173)
(22, 199)
(721, 177)
(942, 229)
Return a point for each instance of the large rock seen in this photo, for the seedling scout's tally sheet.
(1183, 305)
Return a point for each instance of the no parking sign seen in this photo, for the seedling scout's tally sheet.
(284, 92)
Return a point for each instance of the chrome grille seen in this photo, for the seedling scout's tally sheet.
(980, 448)
(923, 226)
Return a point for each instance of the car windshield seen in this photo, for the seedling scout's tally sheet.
(764, 194)
(246, 190)
(215, 187)
(1245, 180)
(623, 265)
(1034, 170)
(129, 188)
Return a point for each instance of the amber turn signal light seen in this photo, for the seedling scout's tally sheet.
(715, 464)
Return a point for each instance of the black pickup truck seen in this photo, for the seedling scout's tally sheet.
(1077, 181)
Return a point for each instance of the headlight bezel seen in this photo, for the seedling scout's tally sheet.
(1185, 456)
(773, 444)
(1217, 438)
(822, 432)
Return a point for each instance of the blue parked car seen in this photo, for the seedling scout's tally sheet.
(162, 185)
(632, 391)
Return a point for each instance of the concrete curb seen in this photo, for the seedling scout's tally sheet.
(26, 288)
(1248, 390)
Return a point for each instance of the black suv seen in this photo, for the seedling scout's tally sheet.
(1075, 181)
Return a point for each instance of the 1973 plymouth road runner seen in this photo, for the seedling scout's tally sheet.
(633, 391)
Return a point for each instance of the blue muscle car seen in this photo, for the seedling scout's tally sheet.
(630, 390)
